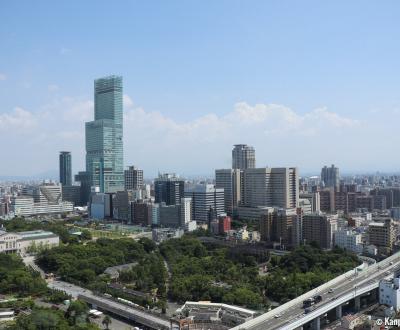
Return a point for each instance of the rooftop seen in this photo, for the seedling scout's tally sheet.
(35, 233)
(377, 224)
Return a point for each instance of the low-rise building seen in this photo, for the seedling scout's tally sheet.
(43, 199)
(349, 240)
(389, 293)
(208, 315)
(162, 234)
(23, 242)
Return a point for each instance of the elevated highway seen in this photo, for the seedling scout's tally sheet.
(349, 287)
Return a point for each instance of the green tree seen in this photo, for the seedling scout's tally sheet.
(106, 321)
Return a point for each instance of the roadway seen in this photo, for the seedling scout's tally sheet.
(111, 305)
(294, 312)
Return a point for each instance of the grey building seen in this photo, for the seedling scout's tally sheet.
(85, 186)
(142, 213)
(65, 168)
(121, 205)
(277, 187)
(231, 180)
(243, 156)
(133, 178)
(203, 198)
(72, 194)
(330, 177)
(170, 215)
(168, 189)
(104, 136)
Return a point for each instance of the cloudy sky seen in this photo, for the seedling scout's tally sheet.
(307, 83)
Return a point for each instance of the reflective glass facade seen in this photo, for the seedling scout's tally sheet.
(104, 136)
(65, 168)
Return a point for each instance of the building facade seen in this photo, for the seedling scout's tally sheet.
(168, 189)
(349, 240)
(205, 198)
(231, 180)
(104, 136)
(275, 187)
(23, 242)
(319, 228)
(65, 168)
(133, 178)
(243, 157)
(43, 199)
(330, 177)
(382, 234)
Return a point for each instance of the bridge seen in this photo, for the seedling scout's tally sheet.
(347, 291)
(143, 317)
(127, 312)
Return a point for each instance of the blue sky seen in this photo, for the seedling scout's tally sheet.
(307, 83)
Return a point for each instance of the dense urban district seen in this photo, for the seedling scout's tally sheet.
(249, 248)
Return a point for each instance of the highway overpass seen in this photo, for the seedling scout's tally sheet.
(141, 317)
(348, 289)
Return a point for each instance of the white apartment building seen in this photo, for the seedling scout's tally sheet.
(231, 180)
(186, 211)
(389, 293)
(43, 199)
(349, 240)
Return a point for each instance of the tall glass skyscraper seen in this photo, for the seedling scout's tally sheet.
(104, 145)
(65, 168)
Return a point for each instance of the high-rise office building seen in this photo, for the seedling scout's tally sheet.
(206, 198)
(168, 189)
(133, 178)
(330, 177)
(104, 145)
(65, 168)
(231, 181)
(275, 187)
(243, 156)
(85, 186)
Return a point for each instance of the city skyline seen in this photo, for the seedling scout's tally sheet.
(322, 82)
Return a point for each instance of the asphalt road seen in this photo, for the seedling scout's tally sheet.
(106, 303)
(69, 288)
(346, 286)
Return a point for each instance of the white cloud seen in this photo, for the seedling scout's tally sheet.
(3, 77)
(127, 101)
(153, 141)
(17, 120)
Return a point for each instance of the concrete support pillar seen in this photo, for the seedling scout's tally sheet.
(316, 324)
(339, 312)
(357, 303)
(374, 295)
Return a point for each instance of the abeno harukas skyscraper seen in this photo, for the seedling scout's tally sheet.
(104, 136)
